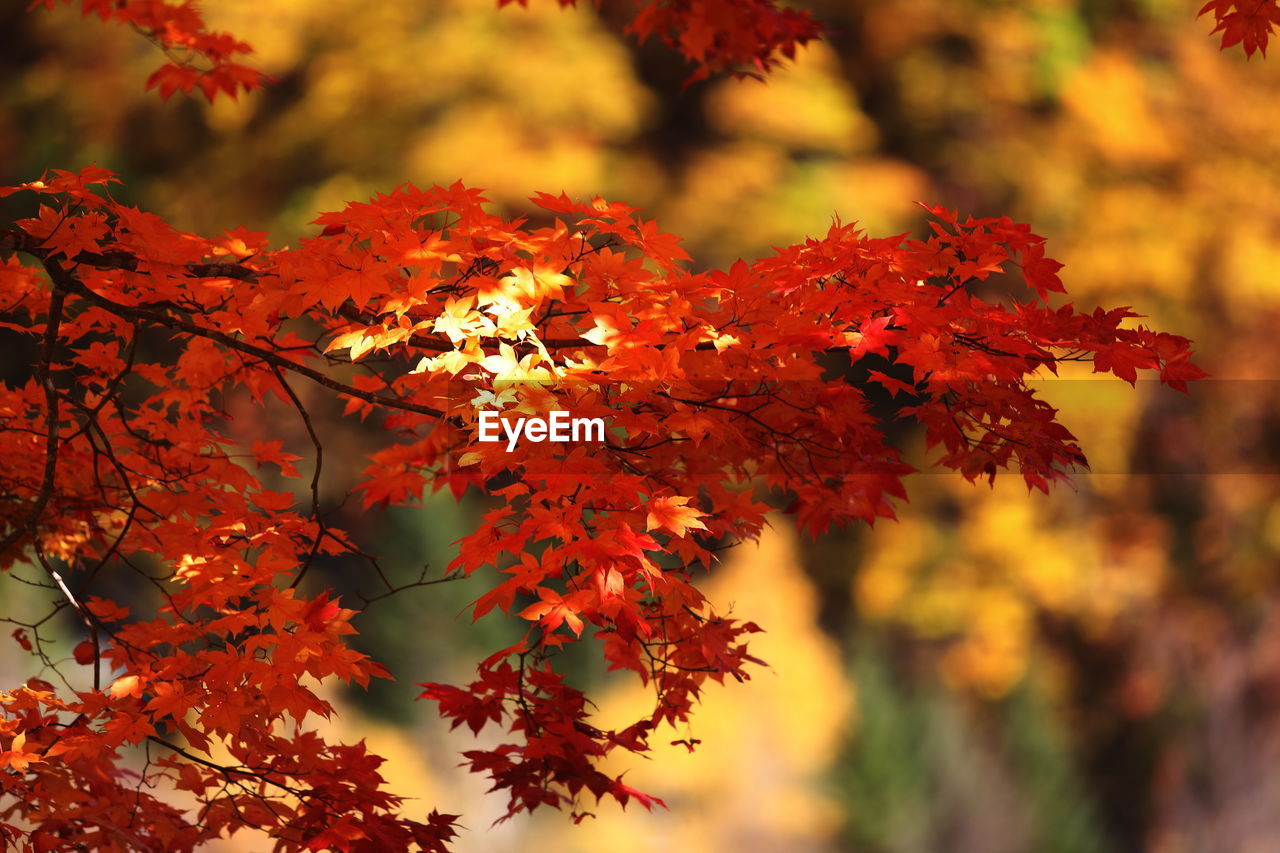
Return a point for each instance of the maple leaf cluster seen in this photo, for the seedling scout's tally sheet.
(1248, 23)
(420, 308)
(740, 37)
(198, 58)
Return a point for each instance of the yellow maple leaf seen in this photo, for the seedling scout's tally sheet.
(537, 284)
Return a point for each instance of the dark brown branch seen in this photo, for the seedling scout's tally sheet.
(315, 477)
(227, 772)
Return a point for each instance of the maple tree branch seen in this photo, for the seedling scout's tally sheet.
(421, 581)
(15, 240)
(227, 772)
(67, 284)
(85, 615)
(45, 371)
(20, 241)
(315, 477)
(239, 775)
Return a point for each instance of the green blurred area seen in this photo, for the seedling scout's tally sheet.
(1094, 670)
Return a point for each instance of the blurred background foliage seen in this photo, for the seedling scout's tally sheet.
(1090, 671)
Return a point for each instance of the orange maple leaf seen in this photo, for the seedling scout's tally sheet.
(673, 515)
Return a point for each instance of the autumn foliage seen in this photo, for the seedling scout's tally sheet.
(1248, 23)
(725, 391)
